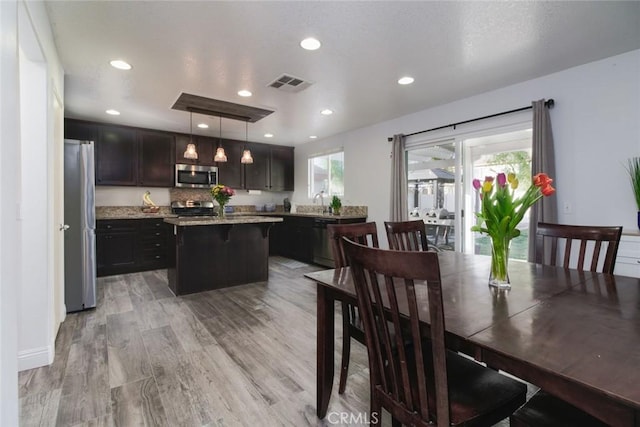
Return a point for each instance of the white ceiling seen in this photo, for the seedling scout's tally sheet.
(213, 49)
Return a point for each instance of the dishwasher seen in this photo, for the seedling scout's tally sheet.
(322, 253)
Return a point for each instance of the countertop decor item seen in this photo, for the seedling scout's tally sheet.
(335, 205)
(633, 169)
(221, 194)
(501, 211)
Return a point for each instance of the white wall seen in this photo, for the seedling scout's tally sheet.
(27, 303)
(596, 125)
(40, 76)
(9, 226)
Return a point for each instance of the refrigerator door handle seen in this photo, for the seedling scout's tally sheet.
(64, 227)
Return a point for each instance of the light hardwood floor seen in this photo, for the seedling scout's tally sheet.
(241, 356)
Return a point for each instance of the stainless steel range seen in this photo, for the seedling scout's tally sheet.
(192, 208)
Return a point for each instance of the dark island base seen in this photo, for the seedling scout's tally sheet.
(214, 257)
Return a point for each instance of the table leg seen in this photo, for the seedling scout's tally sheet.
(325, 337)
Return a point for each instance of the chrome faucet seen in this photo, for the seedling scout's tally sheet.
(319, 195)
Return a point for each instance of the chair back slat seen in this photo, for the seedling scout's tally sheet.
(397, 354)
(365, 233)
(407, 235)
(591, 238)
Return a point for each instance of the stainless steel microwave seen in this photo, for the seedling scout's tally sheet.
(193, 176)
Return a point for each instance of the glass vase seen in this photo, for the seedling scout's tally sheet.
(499, 276)
(220, 210)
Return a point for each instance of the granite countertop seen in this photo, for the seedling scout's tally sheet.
(309, 215)
(131, 212)
(135, 212)
(227, 219)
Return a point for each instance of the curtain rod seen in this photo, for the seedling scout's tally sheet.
(549, 104)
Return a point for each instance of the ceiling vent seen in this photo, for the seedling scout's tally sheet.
(289, 83)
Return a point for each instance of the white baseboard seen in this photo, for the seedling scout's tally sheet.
(35, 358)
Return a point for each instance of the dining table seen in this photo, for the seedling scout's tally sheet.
(574, 334)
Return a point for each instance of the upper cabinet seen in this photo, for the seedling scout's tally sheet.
(272, 168)
(231, 172)
(156, 159)
(256, 174)
(204, 148)
(144, 157)
(116, 152)
(281, 168)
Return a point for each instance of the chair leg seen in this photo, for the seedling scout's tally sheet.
(346, 349)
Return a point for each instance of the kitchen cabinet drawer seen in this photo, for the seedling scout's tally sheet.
(126, 246)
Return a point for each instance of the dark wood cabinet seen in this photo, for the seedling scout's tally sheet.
(156, 159)
(204, 147)
(83, 131)
(116, 153)
(281, 168)
(231, 172)
(116, 246)
(293, 238)
(272, 168)
(145, 157)
(305, 238)
(130, 245)
(257, 173)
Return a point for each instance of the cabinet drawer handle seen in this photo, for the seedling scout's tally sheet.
(157, 256)
(157, 245)
(157, 234)
(638, 261)
(158, 224)
(108, 226)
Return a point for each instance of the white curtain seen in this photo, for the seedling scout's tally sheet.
(542, 160)
(399, 208)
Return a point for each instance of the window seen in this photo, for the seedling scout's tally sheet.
(326, 173)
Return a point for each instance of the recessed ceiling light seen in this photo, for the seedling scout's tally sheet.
(326, 112)
(268, 135)
(405, 80)
(113, 112)
(310, 43)
(120, 64)
(313, 137)
(203, 126)
(244, 93)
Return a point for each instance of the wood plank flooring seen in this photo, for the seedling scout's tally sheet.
(241, 356)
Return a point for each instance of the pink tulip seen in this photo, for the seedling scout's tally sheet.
(476, 184)
(502, 180)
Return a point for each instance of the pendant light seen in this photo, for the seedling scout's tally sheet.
(220, 154)
(246, 154)
(190, 152)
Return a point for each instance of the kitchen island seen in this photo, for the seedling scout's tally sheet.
(213, 253)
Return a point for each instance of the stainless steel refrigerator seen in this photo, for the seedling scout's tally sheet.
(80, 224)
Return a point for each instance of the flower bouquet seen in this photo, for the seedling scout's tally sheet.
(501, 212)
(222, 194)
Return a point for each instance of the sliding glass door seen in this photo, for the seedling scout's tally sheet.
(432, 175)
(488, 156)
(440, 193)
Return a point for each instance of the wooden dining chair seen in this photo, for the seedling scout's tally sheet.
(407, 235)
(366, 234)
(574, 244)
(592, 240)
(418, 381)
